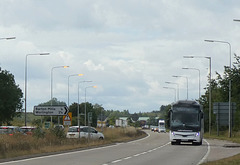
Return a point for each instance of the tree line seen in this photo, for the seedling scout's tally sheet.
(220, 93)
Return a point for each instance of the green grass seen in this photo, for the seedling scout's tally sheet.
(234, 160)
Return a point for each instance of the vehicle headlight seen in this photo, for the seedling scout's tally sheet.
(197, 134)
(173, 133)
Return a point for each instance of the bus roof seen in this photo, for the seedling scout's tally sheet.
(189, 102)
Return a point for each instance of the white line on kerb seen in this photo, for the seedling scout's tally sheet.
(206, 155)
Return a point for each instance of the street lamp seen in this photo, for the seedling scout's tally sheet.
(199, 83)
(177, 88)
(237, 20)
(85, 102)
(25, 99)
(229, 91)
(210, 80)
(174, 92)
(52, 79)
(68, 83)
(7, 38)
(52, 85)
(187, 82)
(78, 103)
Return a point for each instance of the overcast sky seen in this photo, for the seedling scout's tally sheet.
(127, 48)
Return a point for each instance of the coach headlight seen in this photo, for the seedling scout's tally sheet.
(173, 133)
(197, 134)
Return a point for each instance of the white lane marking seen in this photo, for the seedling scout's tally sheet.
(206, 155)
(116, 161)
(139, 154)
(68, 153)
(127, 158)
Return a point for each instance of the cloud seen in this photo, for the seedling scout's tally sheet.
(129, 49)
(91, 66)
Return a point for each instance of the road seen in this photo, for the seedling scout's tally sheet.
(154, 149)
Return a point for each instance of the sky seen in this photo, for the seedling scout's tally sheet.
(129, 49)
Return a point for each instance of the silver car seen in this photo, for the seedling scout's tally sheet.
(73, 132)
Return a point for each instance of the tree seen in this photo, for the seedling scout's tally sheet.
(220, 89)
(10, 97)
(54, 102)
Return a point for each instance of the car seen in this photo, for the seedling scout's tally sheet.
(73, 132)
(155, 129)
(10, 130)
(59, 127)
(27, 130)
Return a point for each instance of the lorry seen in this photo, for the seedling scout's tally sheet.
(161, 126)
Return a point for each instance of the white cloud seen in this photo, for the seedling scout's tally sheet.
(91, 66)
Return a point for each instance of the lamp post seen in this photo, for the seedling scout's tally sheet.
(229, 91)
(68, 83)
(78, 103)
(186, 80)
(52, 85)
(52, 79)
(25, 99)
(177, 88)
(86, 102)
(7, 38)
(237, 20)
(210, 80)
(174, 92)
(199, 83)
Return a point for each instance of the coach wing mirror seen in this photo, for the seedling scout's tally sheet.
(201, 115)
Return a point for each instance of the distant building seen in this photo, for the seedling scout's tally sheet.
(121, 122)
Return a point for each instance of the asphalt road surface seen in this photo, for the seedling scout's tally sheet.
(154, 149)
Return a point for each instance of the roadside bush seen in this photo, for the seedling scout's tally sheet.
(58, 132)
(38, 133)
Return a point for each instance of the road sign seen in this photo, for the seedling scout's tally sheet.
(89, 117)
(221, 109)
(50, 110)
(67, 119)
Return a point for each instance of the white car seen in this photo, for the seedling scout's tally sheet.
(73, 132)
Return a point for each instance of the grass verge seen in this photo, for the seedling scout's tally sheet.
(22, 145)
